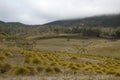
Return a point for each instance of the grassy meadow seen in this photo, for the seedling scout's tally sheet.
(60, 59)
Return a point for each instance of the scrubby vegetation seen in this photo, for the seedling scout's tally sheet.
(16, 31)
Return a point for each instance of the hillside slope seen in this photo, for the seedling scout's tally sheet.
(105, 20)
(1, 22)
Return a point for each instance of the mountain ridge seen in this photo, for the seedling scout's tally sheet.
(1, 22)
(104, 20)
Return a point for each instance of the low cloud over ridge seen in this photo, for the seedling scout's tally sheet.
(43, 11)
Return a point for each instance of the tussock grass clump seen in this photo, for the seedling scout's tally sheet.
(74, 58)
(57, 70)
(73, 67)
(40, 68)
(49, 70)
(64, 64)
(36, 60)
(117, 72)
(50, 59)
(110, 72)
(5, 67)
(99, 71)
(21, 71)
(8, 54)
(27, 59)
(2, 57)
(32, 69)
(54, 64)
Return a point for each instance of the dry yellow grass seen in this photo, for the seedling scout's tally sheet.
(59, 59)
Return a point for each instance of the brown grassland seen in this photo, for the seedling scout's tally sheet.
(60, 59)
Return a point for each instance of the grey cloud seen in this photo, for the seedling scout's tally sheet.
(43, 11)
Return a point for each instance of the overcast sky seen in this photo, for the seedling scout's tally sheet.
(43, 11)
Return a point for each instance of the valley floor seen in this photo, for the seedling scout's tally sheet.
(60, 59)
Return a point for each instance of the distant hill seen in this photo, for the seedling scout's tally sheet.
(105, 21)
(12, 28)
(15, 23)
(1, 22)
(12, 23)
